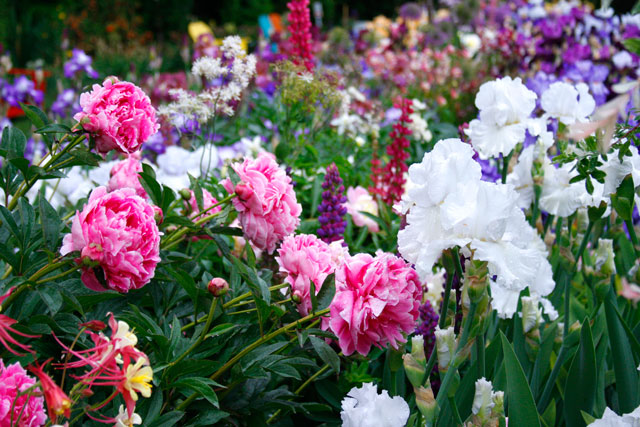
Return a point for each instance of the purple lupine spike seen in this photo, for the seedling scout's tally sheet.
(332, 209)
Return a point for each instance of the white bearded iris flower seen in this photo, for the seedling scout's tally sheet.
(449, 206)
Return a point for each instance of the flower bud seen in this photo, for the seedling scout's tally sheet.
(415, 370)
(476, 279)
(218, 287)
(297, 297)
(498, 404)
(94, 325)
(604, 257)
(426, 403)
(531, 314)
(446, 346)
(483, 400)
(417, 348)
(158, 215)
(185, 194)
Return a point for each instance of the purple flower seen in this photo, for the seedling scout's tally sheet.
(22, 88)
(78, 62)
(332, 209)
(155, 143)
(66, 102)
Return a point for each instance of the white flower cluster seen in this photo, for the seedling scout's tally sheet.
(450, 206)
(419, 125)
(217, 97)
(506, 106)
(486, 399)
(364, 407)
(561, 197)
(352, 124)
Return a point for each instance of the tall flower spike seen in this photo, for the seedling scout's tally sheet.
(332, 209)
(300, 29)
(394, 171)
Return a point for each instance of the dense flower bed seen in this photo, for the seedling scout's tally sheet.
(422, 222)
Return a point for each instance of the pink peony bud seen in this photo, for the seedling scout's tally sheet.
(94, 325)
(218, 287)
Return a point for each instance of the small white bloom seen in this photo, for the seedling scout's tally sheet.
(471, 42)
(622, 59)
(306, 77)
(364, 407)
(531, 313)
(123, 419)
(567, 103)
(435, 286)
(611, 419)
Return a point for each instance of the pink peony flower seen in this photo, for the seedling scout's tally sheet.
(207, 201)
(28, 409)
(377, 298)
(125, 175)
(359, 200)
(305, 259)
(118, 232)
(119, 115)
(266, 202)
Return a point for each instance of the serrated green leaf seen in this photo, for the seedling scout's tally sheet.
(579, 390)
(521, 406)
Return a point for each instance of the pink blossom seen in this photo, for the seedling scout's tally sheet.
(207, 201)
(118, 232)
(305, 259)
(359, 200)
(630, 291)
(119, 115)
(28, 409)
(125, 175)
(267, 205)
(377, 298)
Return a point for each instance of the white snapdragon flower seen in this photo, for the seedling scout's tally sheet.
(419, 127)
(450, 206)
(505, 107)
(567, 103)
(364, 407)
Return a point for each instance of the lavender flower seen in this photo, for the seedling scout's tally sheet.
(332, 209)
(22, 88)
(66, 104)
(78, 62)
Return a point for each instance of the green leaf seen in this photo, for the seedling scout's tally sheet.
(580, 386)
(624, 367)
(51, 296)
(13, 143)
(54, 128)
(202, 386)
(327, 292)
(50, 223)
(170, 419)
(186, 281)
(521, 406)
(150, 184)
(622, 200)
(632, 44)
(33, 113)
(326, 353)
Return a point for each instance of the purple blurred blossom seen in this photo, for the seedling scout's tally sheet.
(79, 62)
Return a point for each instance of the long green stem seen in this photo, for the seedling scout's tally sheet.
(176, 234)
(480, 354)
(567, 278)
(546, 393)
(251, 347)
(230, 303)
(38, 274)
(454, 409)
(203, 334)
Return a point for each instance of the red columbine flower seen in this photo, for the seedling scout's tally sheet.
(6, 329)
(300, 29)
(58, 403)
